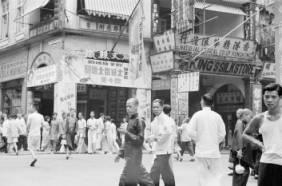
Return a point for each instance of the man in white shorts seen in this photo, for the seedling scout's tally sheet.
(34, 123)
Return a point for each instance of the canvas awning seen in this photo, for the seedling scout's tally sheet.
(107, 8)
(219, 8)
(32, 5)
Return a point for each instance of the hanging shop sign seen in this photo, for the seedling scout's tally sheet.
(174, 97)
(161, 84)
(257, 98)
(42, 76)
(188, 82)
(12, 70)
(165, 42)
(228, 47)
(268, 71)
(162, 62)
(219, 67)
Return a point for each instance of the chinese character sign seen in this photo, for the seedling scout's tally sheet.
(162, 62)
(228, 47)
(188, 82)
(257, 98)
(164, 42)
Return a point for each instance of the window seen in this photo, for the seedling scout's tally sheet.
(20, 18)
(5, 19)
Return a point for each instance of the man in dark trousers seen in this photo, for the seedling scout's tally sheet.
(134, 172)
(162, 134)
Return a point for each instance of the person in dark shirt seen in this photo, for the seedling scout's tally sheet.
(134, 172)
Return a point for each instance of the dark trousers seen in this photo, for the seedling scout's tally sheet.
(270, 175)
(187, 146)
(22, 144)
(5, 147)
(240, 179)
(134, 172)
(162, 167)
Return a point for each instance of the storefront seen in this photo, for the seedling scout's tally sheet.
(13, 67)
(100, 81)
(42, 76)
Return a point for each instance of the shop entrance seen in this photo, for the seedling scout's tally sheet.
(44, 97)
(102, 99)
(228, 99)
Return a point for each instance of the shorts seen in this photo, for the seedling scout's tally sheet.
(33, 142)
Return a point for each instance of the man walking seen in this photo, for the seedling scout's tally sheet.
(92, 130)
(22, 144)
(162, 134)
(100, 130)
(34, 123)
(133, 173)
(269, 125)
(207, 129)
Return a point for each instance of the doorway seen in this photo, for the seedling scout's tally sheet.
(43, 96)
(228, 99)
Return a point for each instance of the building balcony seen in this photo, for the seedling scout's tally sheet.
(44, 27)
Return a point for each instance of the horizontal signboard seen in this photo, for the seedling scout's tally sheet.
(219, 67)
(227, 47)
(42, 76)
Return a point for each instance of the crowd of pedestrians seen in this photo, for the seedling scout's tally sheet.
(55, 133)
(256, 142)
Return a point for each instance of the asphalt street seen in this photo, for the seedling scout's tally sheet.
(86, 170)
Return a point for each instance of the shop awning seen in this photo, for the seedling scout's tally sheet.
(219, 8)
(107, 8)
(32, 5)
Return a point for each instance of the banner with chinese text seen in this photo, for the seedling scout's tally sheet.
(228, 47)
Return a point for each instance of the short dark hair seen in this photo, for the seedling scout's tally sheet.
(107, 118)
(167, 109)
(161, 102)
(208, 100)
(273, 87)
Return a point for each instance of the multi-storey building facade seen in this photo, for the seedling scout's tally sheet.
(59, 54)
(215, 39)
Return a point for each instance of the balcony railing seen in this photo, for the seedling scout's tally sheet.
(44, 27)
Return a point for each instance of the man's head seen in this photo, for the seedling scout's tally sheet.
(167, 109)
(246, 115)
(239, 113)
(206, 101)
(19, 115)
(54, 115)
(132, 106)
(272, 94)
(158, 106)
(80, 116)
(92, 114)
(34, 107)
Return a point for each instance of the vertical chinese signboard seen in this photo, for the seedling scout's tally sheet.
(278, 40)
(257, 98)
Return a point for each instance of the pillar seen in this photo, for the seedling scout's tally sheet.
(278, 40)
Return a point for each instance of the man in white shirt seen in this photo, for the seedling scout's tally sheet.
(269, 126)
(92, 130)
(207, 129)
(161, 135)
(22, 145)
(100, 129)
(34, 123)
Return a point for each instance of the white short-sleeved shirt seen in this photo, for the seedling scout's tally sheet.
(35, 121)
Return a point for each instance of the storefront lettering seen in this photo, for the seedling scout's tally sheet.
(67, 98)
(214, 66)
(12, 70)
